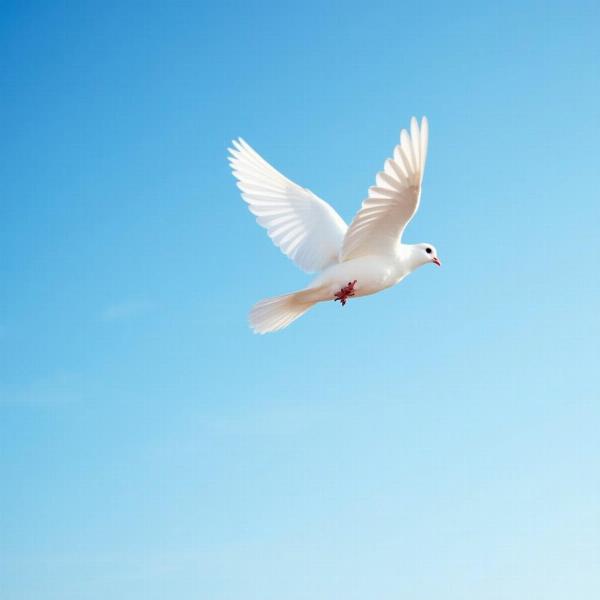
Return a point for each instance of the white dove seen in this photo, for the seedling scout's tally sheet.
(354, 261)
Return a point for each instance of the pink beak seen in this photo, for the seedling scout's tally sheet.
(436, 261)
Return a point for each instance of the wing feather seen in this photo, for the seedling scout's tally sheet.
(394, 199)
(304, 227)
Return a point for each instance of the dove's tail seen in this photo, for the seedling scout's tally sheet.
(273, 314)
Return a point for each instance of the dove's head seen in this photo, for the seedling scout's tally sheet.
(426, 253)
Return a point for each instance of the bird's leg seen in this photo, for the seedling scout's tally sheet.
(346, 292)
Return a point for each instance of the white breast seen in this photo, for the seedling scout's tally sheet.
(372, 274)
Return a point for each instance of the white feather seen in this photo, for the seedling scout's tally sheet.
(378, 226)
(304, 227)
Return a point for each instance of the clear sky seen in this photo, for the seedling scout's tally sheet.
(436, 441)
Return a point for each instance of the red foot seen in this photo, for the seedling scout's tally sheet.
(345, 293)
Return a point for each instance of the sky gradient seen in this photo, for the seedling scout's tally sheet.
(436, 441)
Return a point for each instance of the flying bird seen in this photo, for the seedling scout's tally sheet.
(359, 260)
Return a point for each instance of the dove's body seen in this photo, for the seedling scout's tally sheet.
(372, 273)
(354, 261)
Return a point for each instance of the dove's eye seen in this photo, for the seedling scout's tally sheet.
(428, 250)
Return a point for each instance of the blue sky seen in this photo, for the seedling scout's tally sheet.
(439, 440)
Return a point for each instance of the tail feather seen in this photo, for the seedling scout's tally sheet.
(273, 314)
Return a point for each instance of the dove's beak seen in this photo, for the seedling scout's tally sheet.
(436, 261)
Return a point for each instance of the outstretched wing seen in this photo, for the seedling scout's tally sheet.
(378, 226)
(303, 226)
